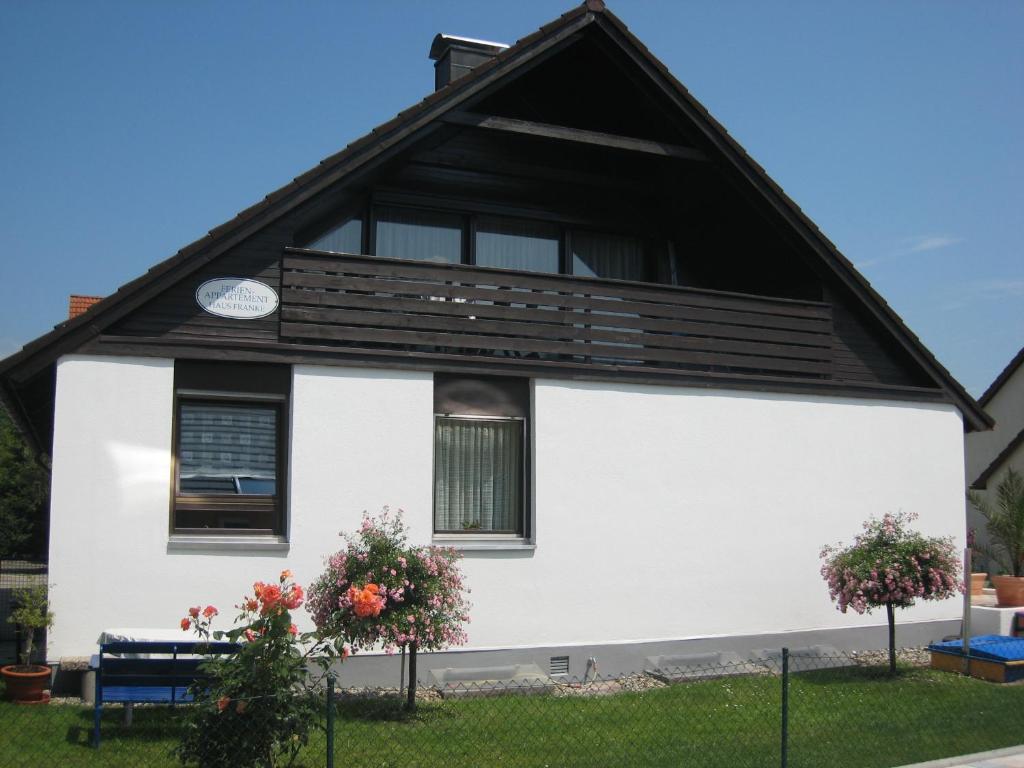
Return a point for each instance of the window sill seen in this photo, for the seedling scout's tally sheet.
(472, 543)
(228, 543)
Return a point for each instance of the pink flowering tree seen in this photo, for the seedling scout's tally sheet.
(379, 591)
(890, 565)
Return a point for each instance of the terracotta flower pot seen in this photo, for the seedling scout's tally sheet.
(26, 684)
(1009, 590)
(978, 584)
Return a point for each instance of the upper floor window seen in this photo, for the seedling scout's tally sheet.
(615, 257)
(506, 242)
(407, 233)
(230, 428)
(346, 237)
(517, 244)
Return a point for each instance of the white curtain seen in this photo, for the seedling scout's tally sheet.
(517, 244)
(404, 233)
(614, 257)
(478, 474)
(344, 238)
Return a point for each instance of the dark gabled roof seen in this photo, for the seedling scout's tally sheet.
(71, 333)
(385, 139)
(982, 482)
(1002, 378)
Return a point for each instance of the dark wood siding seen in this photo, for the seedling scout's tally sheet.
(176, 315)
(862, 356)
(369, 302)
(583, 72)
(719, 242)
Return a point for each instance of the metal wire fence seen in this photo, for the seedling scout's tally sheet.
(809, 707)
(16, 574)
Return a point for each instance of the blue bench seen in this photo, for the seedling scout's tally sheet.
(149, 672)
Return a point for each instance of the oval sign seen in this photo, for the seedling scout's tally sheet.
(237, 297)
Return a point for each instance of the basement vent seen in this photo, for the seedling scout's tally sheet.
(559, 665)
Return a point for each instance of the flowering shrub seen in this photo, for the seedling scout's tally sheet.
(258, 707)
(380, 591)
(890, 565)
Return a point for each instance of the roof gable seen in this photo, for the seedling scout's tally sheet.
(686, 126)
(1004, 376)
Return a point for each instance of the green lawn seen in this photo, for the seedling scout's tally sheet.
(857, 717)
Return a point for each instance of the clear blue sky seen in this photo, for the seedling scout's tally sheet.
(128, 129)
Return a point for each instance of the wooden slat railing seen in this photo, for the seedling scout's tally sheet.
(376, 303)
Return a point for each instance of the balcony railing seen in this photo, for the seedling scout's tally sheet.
(409, 306)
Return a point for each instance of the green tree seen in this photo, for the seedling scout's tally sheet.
(24, 492)
(890, 565)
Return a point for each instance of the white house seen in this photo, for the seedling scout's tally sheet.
(991, 453)
(555, 313)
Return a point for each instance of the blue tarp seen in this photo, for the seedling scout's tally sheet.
(995, 647)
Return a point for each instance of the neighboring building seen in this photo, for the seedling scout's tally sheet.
(989, 454)
(589, 342)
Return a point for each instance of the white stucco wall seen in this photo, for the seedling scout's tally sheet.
(660, 512)
(109, 498)
(665, 513)
(359, 440)
(1007, 408)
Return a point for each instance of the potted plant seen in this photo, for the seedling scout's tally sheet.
(26, 683)
(1004, 520)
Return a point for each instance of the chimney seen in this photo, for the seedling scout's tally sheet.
(455, 56)
(78, 304)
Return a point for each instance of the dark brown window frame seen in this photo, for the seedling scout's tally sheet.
(485, 398)
(653, 253)
(521, 517)
(206, 390)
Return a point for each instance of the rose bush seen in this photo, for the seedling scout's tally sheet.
(258, 706)
(379, 591)
(892, 566)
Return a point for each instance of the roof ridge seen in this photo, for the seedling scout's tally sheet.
(199, 252)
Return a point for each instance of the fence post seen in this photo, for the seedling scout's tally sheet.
(330, 720)
(785, 707)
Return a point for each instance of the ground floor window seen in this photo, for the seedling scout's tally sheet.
(480, 455)
(230, 428)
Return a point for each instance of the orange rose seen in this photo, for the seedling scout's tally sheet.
(294, 598)
(366, 602)
(185, 624)
(270, 595)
